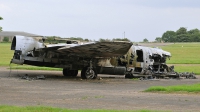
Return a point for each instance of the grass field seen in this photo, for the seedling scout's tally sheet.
(5, 54)
(4, 108)
(183, 53)
(194, 88)
(185, 57)
(187, 68)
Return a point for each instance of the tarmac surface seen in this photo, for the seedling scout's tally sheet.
(107, 92)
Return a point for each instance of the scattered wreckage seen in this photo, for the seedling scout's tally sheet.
(39, 77)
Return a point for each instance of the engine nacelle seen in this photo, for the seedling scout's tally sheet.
(22, 45)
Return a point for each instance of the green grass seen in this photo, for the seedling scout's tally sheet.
(194, 88)
(50, 109)
(183, 53)
(5, 54)
(187, 68)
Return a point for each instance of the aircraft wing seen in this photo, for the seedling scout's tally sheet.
(96, 49)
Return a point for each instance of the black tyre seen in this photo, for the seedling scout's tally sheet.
(72, 73)
(65, 72)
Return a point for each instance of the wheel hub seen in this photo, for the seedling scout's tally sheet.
(89, 74)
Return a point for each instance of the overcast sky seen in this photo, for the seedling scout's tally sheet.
(94, 19)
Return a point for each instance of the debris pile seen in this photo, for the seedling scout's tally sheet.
(39, 77)
(164, 73)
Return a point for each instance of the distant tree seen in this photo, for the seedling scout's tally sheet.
(76, 38)
(158, 39)
(182, 35)
(52, 39)
(169, 36)
(145, 40)
(87, 40)
(181, 30)
(0, 26)
(121, 39)
(194, 35)
(104, 40)
(183, 38)
(5, 39)
(193, 31)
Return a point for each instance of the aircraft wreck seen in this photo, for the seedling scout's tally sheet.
(113, 58)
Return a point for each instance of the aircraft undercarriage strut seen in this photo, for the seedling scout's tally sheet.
(89, 72)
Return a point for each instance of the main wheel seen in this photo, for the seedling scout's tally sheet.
(72, 73)
(88, 73)
(75, 73)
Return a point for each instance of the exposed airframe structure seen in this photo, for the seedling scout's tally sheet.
(142, 62)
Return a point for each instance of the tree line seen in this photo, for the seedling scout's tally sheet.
(181, 35)
(57, 39)
(114, 39)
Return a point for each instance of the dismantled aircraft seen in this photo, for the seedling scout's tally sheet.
(70, 56)
(113, 58)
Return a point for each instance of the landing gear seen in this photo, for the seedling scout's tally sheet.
(72, 73)
(89, 72)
